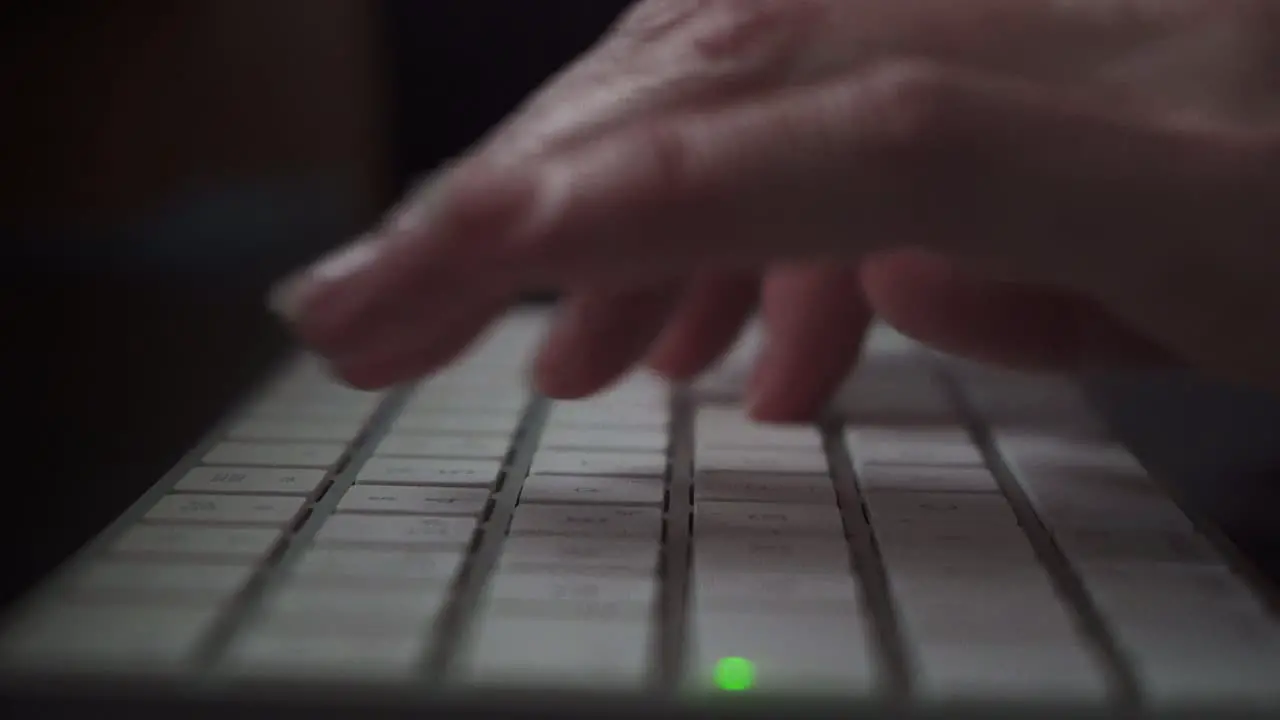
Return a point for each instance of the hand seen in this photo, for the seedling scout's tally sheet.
(1045, 184)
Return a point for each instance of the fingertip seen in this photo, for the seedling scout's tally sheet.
(703, 326)
(772, 400)
(365, 378)
(597, 338)
(815, 318)
(411, 352)
(556, 371)
(441, 236)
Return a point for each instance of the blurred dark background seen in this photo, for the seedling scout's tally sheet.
(164, 162)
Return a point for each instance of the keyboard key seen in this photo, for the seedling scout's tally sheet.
(945, 447)
(764, 488)
(762, 461)
(578, 438)
(1106, 504)
(964, 578)
(482, 374)
(594, 556)
(828, 653)
(148, 581)
(496, 424)
(198, 543)
(358, 611)
(718, 518)
(252, 481)
(727, 429)
(271, 511)
(1040, 452)
(314, 455)
(1099, 504)
(467, 399)
(324, 653)
(778, 591)
(480, 380)
(267, 430)
(905, 517)
(445, 446)
(561, 462)
(958, 554)
(290, 409)
(738, 553)
(1012, 401)
(405, 531)
(894, 393)
(382, 567)
(1194, 635)
(572, 489)
(979, 609)
(882, 340)
(572, 595)
(302, 391)
(966, 522)
(564, 416)
(409, 500)
(1140, 546)
(106, 639)
(597, 522)
(1062, 672)
(925, 479)
(433, 471)
(541, 651)
(1128, 591)
(1072, 491)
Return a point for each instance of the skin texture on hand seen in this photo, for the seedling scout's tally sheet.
(1045, 184)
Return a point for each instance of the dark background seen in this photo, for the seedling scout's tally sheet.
(164, 162)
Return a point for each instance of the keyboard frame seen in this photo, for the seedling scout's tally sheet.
(38, 695)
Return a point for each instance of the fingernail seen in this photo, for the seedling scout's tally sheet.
(293, 298)
(296, 298)
(419, 205)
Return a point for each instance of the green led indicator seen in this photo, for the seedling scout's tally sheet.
(735, 673)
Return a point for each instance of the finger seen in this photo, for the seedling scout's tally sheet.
(1009, 178)
(814, 320)
(599, 335)
(334, 305)
(649, 64)
(409, 355)
(845, 170)
(1033, 328)
(680, 55)
(704, 325)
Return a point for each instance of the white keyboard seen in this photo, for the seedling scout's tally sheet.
(954, 537)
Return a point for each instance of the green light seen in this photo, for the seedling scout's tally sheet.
(735, 673)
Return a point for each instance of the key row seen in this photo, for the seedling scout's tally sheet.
(595, 493)
(1182, 618)
(772, 578)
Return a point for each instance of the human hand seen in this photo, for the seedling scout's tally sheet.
(1039, 183)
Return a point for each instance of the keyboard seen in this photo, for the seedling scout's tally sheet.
(949, 536)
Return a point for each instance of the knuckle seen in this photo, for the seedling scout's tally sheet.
(670, 160)
(723, 30)
(652, 20)
(908, 118)
(914, 103)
